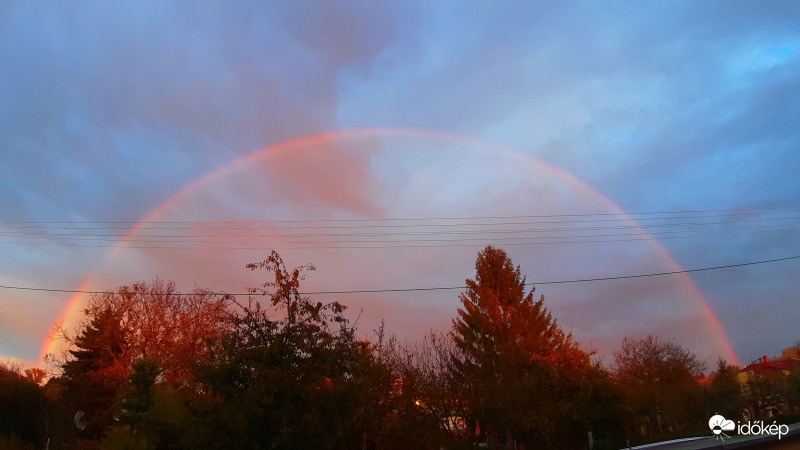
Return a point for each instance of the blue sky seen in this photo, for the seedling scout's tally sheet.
(106, 110)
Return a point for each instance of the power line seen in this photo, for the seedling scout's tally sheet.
(377, 291)
(255, 226)
(280, 239)
(741, 211)
(698, 227)
(16, 233)
(402, 243)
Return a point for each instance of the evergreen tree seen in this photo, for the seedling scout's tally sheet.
(519, 370)
(724, 392)
(97, 370)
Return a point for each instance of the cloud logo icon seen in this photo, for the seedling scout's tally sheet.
(719, 424)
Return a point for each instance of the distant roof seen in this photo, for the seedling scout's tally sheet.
(770, 366)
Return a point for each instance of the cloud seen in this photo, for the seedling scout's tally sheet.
(145, 97)
(660, 107)
(109, 110)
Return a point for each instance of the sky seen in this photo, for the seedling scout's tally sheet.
(178, 111)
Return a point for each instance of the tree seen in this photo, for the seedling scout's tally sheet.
(36, 375)
(22, 406)
(765, 393)
(793, 382)
(518, 368)
(660, 381)
(724, 392)
(148, 321)
(162, 324)
(135, 425)
(138, 401)
(426, 392)
(143, 321)
(97, 370)
(291, 374)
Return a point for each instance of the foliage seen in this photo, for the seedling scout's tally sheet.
(518, 370)
(724, 393)
(300, 380)
(21, 407)
(145, 325)
(152, 368)
(153, 320)
(14, 442)
(764, 394)
(123, 438)
(793, 382)
(35, 374)
(97, 371)
(426, 371)
(660, 381)
(138, 401)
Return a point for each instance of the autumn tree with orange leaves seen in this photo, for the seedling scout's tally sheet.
(143, 321)
(153, 321)
(521, 375)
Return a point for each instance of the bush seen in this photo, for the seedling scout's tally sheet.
(787, 419)
(121, 438)
(605, 444)
(14, 442)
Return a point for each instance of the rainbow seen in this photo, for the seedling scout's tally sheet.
(73, 307)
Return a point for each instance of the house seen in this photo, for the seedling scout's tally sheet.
(771, 368)
(762, 383)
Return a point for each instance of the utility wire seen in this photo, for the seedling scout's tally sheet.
(377, 291)
(254, 224)
(402, 243)
(280, 239)
(85, 236)
(76, 232)
(737, 211)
